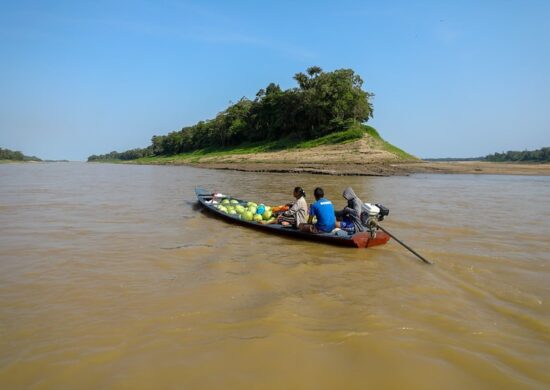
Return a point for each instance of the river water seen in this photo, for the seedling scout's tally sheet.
(111, 276)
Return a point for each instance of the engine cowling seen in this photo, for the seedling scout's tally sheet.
(372, 214)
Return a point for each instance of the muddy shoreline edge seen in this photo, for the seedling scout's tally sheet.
(373, 169)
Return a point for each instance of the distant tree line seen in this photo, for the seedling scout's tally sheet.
(322, 103)
(127, 155)
(450, 159)
(6, 154)
(539, 155)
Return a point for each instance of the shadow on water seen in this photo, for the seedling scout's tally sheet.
(195, 205)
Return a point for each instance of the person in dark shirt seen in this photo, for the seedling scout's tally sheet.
(323, 210)
(351, 214)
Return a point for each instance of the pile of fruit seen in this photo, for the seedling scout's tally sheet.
(247, 212)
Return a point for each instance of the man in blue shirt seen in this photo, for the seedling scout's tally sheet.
(324, 211)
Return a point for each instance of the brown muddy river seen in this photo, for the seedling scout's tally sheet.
(110, 277)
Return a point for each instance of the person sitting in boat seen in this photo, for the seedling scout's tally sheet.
(297, 210)
(323, 210)
(350, 216)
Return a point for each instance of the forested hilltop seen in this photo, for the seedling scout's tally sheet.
(323, 103)
(6, 154)
(539, 155)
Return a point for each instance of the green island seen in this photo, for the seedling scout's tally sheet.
(320, 122)
(319, 126)
(7, 156)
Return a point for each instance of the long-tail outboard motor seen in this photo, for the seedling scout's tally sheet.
(384, 211)
(372, 214)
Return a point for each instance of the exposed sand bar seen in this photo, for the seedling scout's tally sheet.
(364, 157)
(479, 167)
(385, 169)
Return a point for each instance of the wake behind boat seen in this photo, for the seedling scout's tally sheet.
(217, 205)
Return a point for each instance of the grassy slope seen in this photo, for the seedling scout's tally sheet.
(385, 145)
(353, 134)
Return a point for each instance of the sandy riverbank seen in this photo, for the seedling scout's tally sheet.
(384, 169)
(368, 156)
(478, 167)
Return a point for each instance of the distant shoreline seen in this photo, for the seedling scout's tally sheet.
(31, 161)
(19, 161)
(479, 167)
(391, 169)
(368, 169)
(338, 168)
(358, 151)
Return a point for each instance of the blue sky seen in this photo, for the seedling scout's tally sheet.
(451, 78)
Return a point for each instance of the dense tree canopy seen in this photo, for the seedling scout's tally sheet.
(6, 154)
(539, 155)
(323, 102)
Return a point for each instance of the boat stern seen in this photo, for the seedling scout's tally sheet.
(365, 240)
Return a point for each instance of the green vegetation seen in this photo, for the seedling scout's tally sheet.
(385, 145)
(353, 134)
(326, 107)
(10, 155)
(540, 155)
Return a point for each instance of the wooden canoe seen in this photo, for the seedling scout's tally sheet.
(357, 240)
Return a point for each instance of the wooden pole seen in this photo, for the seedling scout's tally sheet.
(406, 246)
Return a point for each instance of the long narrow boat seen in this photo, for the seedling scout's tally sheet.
(357, 240)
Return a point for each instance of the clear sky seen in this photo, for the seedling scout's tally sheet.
(451, 78)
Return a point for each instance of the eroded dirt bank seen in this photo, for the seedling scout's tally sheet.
(382, 169)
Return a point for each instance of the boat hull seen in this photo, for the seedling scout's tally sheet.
(358, 240)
